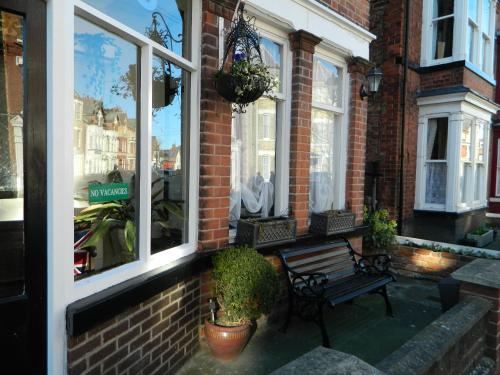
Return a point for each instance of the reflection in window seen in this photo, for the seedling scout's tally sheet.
(271, 56)
(436, 167)
(327, 83)
(105, 149)
(169, 215)
(253, 158)
(442, 26)
(170, 16)
(465, 159)
(322, 161)
(11, 155)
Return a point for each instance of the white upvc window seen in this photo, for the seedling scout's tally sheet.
(329, 128)
(136, 81)
(497, 184)
(452, 157)
(259, 140)
(454, 30)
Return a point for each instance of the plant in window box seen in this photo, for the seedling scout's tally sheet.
(481, 236)
(247, 78)
(262, 232)
(246, 286)
(332, 222)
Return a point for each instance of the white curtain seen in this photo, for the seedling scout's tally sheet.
(253, 153)
(435, 192)
(322, 161)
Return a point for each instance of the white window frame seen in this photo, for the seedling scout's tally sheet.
(458, 108)
(460, 37)
(282, 152)
(146, 261)
(340, 135)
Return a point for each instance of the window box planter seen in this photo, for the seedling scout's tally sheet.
(264, 232)
(332, 222)
(481, 240)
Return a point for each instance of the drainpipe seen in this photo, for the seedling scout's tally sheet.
(403, 116)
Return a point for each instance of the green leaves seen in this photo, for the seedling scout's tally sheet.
(382, 230)
(246, 284)
(130, 235)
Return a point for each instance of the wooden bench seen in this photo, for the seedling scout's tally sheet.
(329, 274)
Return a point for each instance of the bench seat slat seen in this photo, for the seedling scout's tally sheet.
(312, 249)
(315, 267)
(324, 255)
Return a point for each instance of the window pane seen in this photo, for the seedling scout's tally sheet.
(271, 54)
(497, 189)
(470, 42)
(169, 193)
(479, 151)
(465, 148)
(327, 83)
(443, 8)
(437, 138)
(485, 54)
(435, 182)
(171, 18)
(443, 38)
(104, 150)
(486, 16)
(253, 159)
(322, 161)
(11, 155)
(479, 183)
(473, 10)
(465, 180)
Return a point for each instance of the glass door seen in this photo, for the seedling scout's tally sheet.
(22, 185)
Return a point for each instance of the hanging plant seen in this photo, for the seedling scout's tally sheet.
(245, 78)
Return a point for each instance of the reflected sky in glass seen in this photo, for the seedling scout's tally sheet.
(137, 14)
(271, 55)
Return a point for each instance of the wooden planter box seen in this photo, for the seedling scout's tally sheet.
(266, 232)
(481, 239)
(332, 222)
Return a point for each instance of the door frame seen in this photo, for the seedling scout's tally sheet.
(34, 301)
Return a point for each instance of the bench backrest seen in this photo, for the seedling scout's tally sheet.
(335, 259)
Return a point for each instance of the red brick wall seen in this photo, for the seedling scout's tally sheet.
(157, 336)
(354, 10)
(302, 44)
(215, 136)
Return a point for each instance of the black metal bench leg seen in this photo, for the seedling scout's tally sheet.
(321, 323)
(288, 315)
(388, 306)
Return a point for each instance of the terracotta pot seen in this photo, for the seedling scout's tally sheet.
(226, 342)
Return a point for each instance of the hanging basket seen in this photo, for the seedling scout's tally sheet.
(243, 77)
(164, 91)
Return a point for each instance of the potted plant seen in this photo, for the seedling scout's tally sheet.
(381, 230)
(263, 232)
(481, 236)
(246, 286)
(247, 77)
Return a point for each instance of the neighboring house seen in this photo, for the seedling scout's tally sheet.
(428, 142)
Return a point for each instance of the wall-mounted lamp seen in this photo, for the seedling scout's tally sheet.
(373, 79)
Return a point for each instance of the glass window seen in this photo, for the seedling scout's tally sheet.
(253, 161)
(471, 41)
(169, 191)
(443, 38)
(497, 186)
(465, 159)
(327, 83)
(157, 19)
(322, 161)
(443, 8)
(436, 166)
(486, 16)
(271, 55)
(105, 186)
(11, 155)
(472, 9)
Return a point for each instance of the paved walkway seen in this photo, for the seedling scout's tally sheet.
(361, 329)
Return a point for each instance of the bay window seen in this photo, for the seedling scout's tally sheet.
(452, 154)
(327, 169)
(135, 107)
(454, 30)
(257, 138)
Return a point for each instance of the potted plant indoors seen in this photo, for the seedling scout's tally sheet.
(246, 286)
(481, 236)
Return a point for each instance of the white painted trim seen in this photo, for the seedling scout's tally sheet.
(467, 97)
(493, 215)
(494, 199)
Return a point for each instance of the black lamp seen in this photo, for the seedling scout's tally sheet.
(373, 80)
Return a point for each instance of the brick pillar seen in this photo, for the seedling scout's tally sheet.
(215, 135)
(302, 45)
(482, 278)
(355, 177)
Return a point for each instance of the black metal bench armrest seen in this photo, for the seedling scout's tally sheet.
(306, 284)
(376, 263)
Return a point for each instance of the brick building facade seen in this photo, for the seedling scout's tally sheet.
(423, 71)
(149, 321)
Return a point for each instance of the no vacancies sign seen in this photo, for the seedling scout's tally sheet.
(99, 193)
